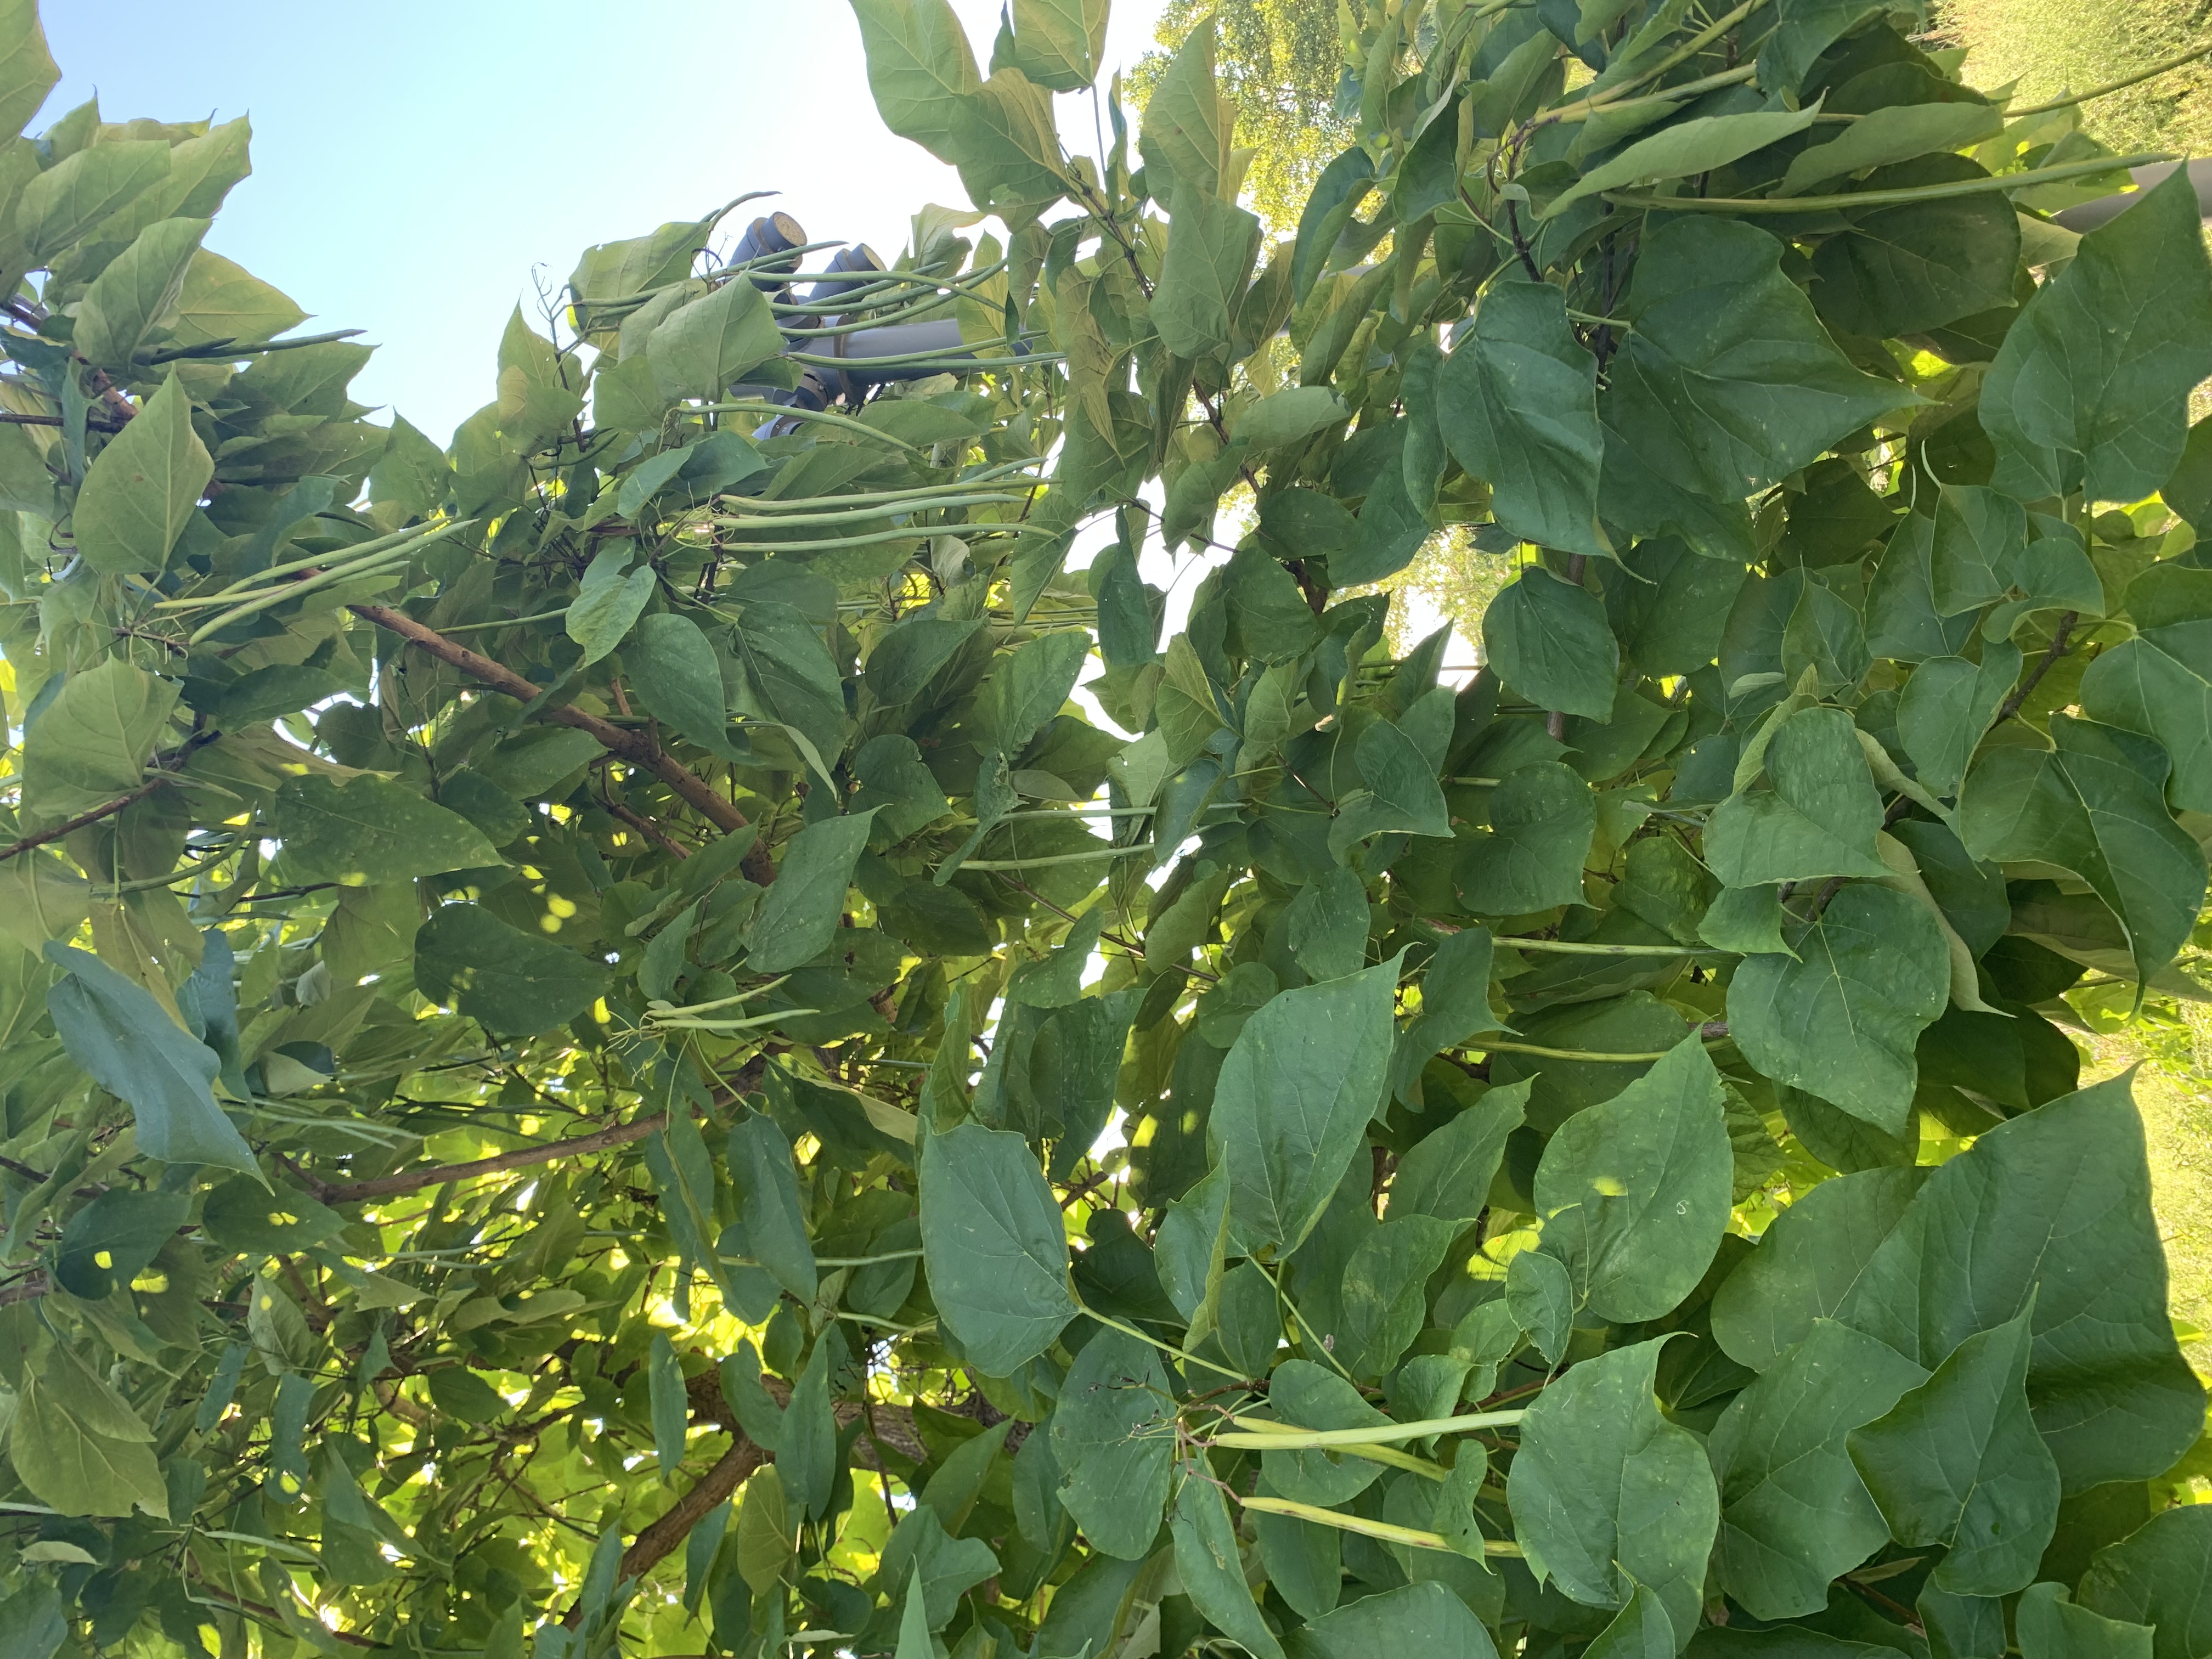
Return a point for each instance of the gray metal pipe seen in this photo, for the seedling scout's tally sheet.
(2088, 216)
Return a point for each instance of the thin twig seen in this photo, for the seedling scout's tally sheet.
(637, 748)
(84, 818)
(2059, 647)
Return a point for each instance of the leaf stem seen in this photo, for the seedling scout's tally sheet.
(1384, 1531)
(2179, 61)
(1262, 1435)
(1865, 198)
(1580, 948)
(791, 412)
(1161, 1343)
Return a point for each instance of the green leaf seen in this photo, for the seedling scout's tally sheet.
(513, 983)
(78, 1446)
(1922, 265)
(807, 1455)
(1455, 1006)
(2094, 804)
(1402, 782)
(1291, 1105)
(1187, 122)
(906, 658)
(2159, 682)
(1542, 821)
(1517, 401)
(607, 603)
(2160, 1576)
(1947, 706)
(1211, 1567)
(671, 666)
(1308, 1395)
(1383, 1294)
(1803, 29)
(761, 1169)
(766, 1531)
(219, 301)
(1326, 925)
(794, 677)
(2074, 402)
(1807, 1262)
(366, 830)
(1640, 1631)
(1027, 689)
(1980, 534)
(32, 1621)
(798, 917)
(75, 195)
(1112, 1435)
(142, 488)
(1060, 43)
(1958, 1462)
(1548, 639)
(994, 1247)
(1541, 1295)
(913, 1640)
(1842, 1020)
(670, 1409)
(28, 70)
(114, 1029)
(949, 1567)
(2052, 1626)
(1684, 150)
(1634, 1192)
(1607, 1494)
(1819, 817)
(1898, 133)
(136, 291)
(1794, 1513)
(1289, 417)
(703, 348)
(2111, 1395)
(1211, 247)
(1729, 383)
(1448, 1174)
(90, 743)
(113, 1239)
(1414, 1622)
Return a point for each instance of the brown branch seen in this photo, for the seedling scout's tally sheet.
(83, 818)
(634, 748)
(30, 1288)
(660, 1538)
(9, 419)
(269, 1615)
(413, 1181)
(2058, 648)
(646, 827)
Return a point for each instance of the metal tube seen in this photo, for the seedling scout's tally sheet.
(2088, 216)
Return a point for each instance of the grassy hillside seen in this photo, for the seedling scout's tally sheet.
(2054, 46)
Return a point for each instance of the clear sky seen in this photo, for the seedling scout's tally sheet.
(414, 163)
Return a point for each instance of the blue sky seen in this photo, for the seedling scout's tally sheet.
(413, 162)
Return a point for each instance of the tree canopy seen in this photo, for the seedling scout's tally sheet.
(657, 1032)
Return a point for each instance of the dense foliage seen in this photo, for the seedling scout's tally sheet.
(602, 1057)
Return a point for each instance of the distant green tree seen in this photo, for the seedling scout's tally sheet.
(1282, 61)
(2053, 47)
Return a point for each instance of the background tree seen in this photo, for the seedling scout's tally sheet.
(603, 1053)
(1282, 61)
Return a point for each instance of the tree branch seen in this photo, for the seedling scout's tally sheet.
(83, 818)
(630, 746)
(413, 1181)
(2058, 648)
(660, 1538)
